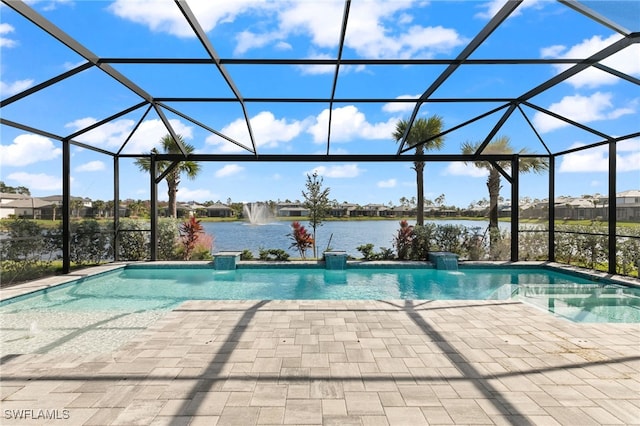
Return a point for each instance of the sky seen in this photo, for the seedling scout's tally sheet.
(310, 29)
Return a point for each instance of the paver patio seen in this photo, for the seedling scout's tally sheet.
(342, 362)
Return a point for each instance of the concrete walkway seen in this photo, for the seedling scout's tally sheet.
(342, 363)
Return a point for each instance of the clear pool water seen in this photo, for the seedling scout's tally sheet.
(99, 313)
(150, 288)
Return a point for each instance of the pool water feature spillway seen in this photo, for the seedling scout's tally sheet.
(444, 260)
(226, 260)
(335, 260)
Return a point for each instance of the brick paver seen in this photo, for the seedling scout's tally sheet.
(342, 362)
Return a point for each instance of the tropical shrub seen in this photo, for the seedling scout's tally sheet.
(403, 240)
(421, 242)
(302, 239)
(202, 249)
(386, 253)
(133, 236)
(24, 254)
(628, 255)
(367, 251)
(500, 245)
(533, 243)
(89, 243)
(168, 234)
(474, 244)
(450, 238)
(246, 255)
(190, 232)
(273, 254)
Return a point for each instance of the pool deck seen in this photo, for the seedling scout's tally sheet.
(340, 362)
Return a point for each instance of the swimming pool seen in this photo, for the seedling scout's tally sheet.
(113, 306)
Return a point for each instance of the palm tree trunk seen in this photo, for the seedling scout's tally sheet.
(493, 184)
(419, 166)
(173, 205)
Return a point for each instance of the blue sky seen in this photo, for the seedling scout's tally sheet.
(310, 29)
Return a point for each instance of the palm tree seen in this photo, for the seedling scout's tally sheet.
(108, 207)
(76, 206)
(98, 206)
(501, 145)
(422, 129)
(190, 168)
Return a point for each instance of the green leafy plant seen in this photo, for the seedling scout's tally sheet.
(367, 251)
(450, 238)
(386, 253)
(23, 252)
(168, 234)
(273, 254)
(421, 242)
(302, 239)
(89, 243)
(133, 236)
(317, 201)
(246, 255)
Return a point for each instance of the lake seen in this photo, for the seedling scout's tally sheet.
(344, 235)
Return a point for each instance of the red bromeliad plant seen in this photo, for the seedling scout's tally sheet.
(403, 240)
(190, 231)
(302, 240)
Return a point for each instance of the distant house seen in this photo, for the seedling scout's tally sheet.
(219, 210)
(343, 210)
(193, 209)
(80, 207)
(20, 205)
(372, 210)
(628, 205)
(291, 210)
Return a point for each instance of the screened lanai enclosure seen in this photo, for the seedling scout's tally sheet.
(252, 90)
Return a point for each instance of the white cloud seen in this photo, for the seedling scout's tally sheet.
(394, 107)
(372, 30)
(113, 134)
(582, 109)
(625, 61)
(318, 69)
(342, 171)
(150, 132)
(492, 7)
(166, 17)
(186, 194)
(50, 4)
(110, 135)
(37, 182)
(91, 166)
(348, 123)
(28, 149)
(389, 183)
(6, 42)
(229, 170)
(247, 40)
(71, 65)
(267, 132)
(9, 89)
(459, 168)
(597, 160)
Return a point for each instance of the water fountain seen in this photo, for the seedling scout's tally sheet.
(257, 213)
